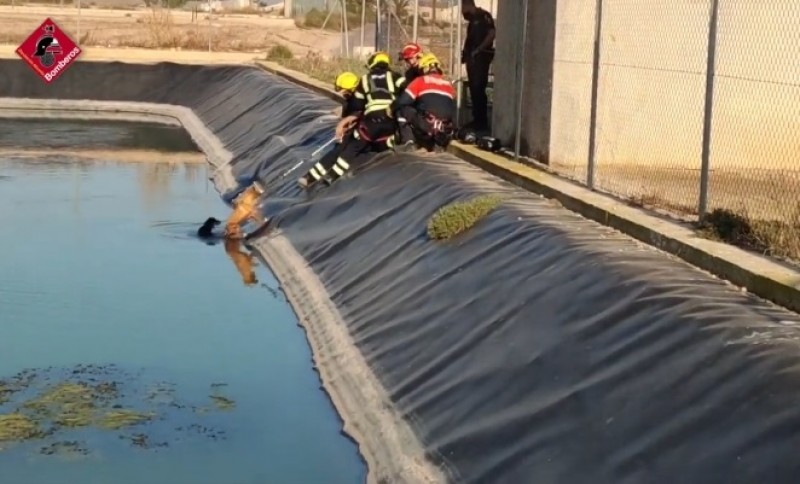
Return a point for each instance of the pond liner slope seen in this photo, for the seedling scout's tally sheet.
(539, 347)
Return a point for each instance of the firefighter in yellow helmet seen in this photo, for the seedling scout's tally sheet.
(346, 84)
(375, 130)
(426, 109)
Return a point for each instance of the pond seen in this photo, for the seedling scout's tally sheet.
(133, 352)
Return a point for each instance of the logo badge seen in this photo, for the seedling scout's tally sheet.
(49, 51)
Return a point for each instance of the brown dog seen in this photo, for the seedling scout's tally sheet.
(245, 208)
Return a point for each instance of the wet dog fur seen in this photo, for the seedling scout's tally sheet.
(207, 230)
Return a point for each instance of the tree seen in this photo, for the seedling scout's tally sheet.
(401, 8)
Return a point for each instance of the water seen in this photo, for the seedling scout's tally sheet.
(100, 266)
(37, 133)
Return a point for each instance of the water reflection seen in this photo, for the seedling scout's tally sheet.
(244, 261)
(94, 134)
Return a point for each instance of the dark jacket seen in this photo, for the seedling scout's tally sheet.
(350, 106)
(480, 24)
(412, 73)
(377, 89)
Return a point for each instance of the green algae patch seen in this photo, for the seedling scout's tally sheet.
(5, 393)
(223, 403)
(57, 405)
(218, 400)
(458, 217)
(18, 427)
(119, 419)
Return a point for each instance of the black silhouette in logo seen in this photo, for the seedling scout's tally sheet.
(47, 48)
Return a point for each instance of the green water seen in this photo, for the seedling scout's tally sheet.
(99, 266)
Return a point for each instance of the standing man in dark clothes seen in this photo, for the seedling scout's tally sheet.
(478, 54)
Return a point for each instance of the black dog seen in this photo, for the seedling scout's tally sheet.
(207, 230)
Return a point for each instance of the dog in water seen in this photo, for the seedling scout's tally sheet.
(207, 230)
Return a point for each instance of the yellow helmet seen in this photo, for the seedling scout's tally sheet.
(346, 81)
(378, 58)
(429, 62)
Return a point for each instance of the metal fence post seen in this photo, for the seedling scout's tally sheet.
(345, 29)
(363, 26)
(416, 20)
(592, 163)
(79, 21)
(458, 45)
(705, 166)
(388, 23)
(452, 42)
(520, 88)
(210, 26)
(378, 26)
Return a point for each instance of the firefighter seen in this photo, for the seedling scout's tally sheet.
(345, 85)
(426, 109)
(411, 55)
(375, 130)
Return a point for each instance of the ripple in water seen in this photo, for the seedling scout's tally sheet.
(184, 231)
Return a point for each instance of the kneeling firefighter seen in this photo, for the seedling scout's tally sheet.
(426, 109)
(345, 85)
(375, 130)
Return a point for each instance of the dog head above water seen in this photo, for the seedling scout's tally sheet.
(207, 230)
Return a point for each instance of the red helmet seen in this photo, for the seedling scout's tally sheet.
(410, 51)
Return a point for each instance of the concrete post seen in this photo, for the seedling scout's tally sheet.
(539, 49)
(288, 8)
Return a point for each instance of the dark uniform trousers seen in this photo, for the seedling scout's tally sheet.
(322, 169)
(420, 128)
(374, 134)
(478, 75)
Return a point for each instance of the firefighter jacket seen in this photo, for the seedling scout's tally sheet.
(429, 94)
(378, 89)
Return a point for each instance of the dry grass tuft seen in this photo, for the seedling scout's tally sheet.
(776, 238)
(320, 68)
(279, 53)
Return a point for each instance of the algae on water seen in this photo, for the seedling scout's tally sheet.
(52, 402)
(458, 217)
(123, 418)
(17, 427)
(223, 403)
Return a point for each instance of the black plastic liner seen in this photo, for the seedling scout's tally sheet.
(537, 348)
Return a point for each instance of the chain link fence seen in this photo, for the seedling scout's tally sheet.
(691, 107)
(383, 25)
(212, 26)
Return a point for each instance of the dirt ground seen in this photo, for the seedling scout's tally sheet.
(761, 194)
(171, 29)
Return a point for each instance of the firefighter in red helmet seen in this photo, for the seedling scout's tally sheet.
(426, 109)
(411, 55)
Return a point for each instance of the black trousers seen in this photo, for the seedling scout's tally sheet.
(374, 134)
(478, 76)
(420, 129)
(324, 166)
